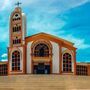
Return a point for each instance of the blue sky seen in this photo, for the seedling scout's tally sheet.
(67, 19)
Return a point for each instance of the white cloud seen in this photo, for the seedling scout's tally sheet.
(3, 60)
(4, 55)
(4, 34)
(45, 25)
(44, 5)
(5, 4)
(79, 43)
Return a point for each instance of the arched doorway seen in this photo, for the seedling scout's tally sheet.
(41, 58)
(67, 63)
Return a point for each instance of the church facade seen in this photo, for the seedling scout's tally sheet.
(40, 53)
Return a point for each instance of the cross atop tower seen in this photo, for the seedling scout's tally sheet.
(18, 3)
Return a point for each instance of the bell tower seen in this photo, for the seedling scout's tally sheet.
(17, 34)
(17, 27)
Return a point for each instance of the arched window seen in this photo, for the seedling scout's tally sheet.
(16, 17)
(41, 50)
(15, 61)
(16, 40)
(67, 63)
(16, 28)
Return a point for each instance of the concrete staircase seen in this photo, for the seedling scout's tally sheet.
(44, 82)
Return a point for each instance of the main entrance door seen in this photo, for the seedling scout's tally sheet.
(41, 68)
(41, 57)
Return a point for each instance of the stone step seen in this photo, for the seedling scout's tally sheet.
(44, 82)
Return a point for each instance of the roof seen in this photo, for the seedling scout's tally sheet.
(3, 62)
(45, 34)
(83, 63)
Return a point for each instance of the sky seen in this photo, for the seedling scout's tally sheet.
(67, 19)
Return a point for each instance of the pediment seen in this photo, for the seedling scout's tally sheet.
(48, 37)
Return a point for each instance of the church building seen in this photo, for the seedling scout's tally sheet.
(41, 53)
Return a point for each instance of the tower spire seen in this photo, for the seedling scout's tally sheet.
(18, 4)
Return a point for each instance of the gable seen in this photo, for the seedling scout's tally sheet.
(51, 38)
